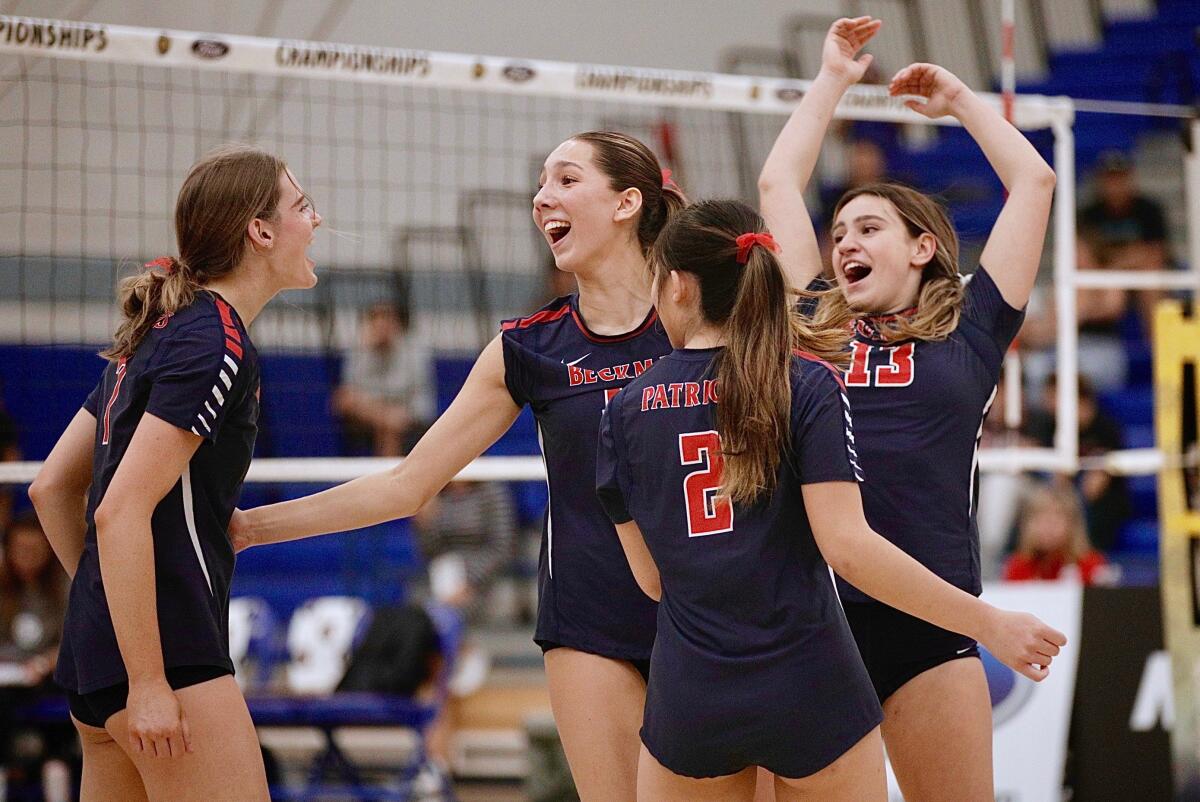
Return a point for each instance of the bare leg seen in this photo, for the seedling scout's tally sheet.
(657, 783)
(597, 704)
(765, 790)
(856, 776)
(938, 731)
(108, 773)
(226, 761)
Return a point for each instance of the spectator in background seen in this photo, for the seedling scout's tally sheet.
(33, 601)
(1105, 496)
(387, 390)
(467, 534)
(10, 451)
(1098, 312)
(1053, 541)
(1128, 229)
(33, 595)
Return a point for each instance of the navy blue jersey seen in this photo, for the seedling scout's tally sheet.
(587, 597)
(754, 662)
(918, 410)
(197, 370)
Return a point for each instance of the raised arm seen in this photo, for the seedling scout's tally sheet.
(482, 412)
(882, 571)
(790, 164)
(1014, 248)
(59, 492)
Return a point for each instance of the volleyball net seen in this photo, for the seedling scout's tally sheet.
(423, 166)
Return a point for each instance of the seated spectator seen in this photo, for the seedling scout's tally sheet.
(1105, 496)
(1098, 313)
(387, 390)
(33, 601)
(1053, 542)
(467, 534)
(1128, 228)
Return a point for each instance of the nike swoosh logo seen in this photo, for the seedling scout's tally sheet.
(964, 651)
(577, 361)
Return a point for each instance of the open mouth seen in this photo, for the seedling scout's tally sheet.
(557, 230)
(855, 272)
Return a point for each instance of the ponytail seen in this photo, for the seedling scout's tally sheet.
(163, 288)
(743, 289)
(752, 379)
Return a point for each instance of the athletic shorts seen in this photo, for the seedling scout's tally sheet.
(641, 666)
(896, 646)
(95, 708)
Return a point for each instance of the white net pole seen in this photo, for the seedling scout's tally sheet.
(1066, 432)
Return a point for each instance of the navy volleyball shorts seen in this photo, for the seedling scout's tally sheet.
(896, 647)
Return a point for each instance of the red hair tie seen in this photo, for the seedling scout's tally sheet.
(666, 176)
(747, 241)
(166, 263)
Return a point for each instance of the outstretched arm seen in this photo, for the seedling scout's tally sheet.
(879, 569)
(482, 412)
(790, 164)
(1014, 248)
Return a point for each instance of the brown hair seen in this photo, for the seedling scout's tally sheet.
(751, 302)
(1065, 500)
(629, 163)
(940, 298)
(51, 580)
(222, 193)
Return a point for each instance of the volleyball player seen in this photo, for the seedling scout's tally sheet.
(730, 473)
(164, 442)
(926, 358)
(601, 203)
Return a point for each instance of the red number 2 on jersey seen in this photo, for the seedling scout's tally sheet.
(898, 372)
(707, 513)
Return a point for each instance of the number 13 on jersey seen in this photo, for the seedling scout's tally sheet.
(707, 512)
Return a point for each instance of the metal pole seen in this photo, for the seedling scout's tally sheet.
(1066, 433)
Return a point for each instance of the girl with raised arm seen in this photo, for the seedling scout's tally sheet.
(924, 363)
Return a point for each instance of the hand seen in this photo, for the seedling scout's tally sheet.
(940, 86)
(1022, 642)
(155, 720)
(845, 38)
(239, 531)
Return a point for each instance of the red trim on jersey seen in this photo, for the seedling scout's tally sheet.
(112, 400)
(233, 348)
(223, 308)
(545, 316)
(232, 334)
(837, 374)
(613, 338)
